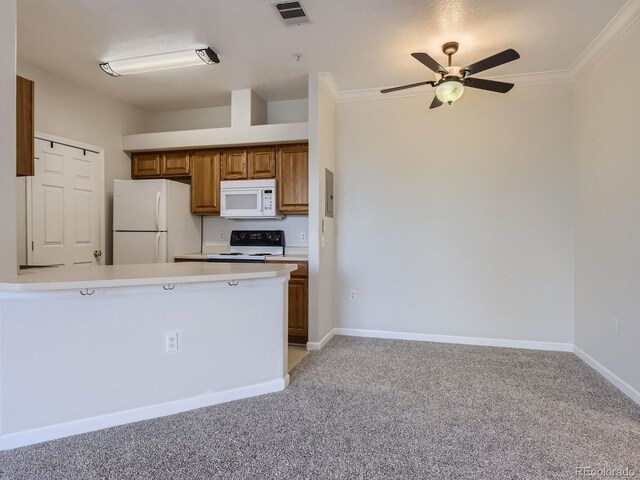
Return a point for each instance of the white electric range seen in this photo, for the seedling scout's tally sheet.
(251, 246)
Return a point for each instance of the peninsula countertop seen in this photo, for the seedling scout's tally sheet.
(289, 257)
(65, 278)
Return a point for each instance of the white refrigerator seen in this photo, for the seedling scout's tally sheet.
(152, 221)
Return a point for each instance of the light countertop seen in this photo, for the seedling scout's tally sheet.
(288, 258)
(136, 275)
(293, 257)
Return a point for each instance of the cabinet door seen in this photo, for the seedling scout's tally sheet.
(175, 164)
(234, 164)
(293, 179)
(24, 127)
(262, 162)
(298, 310)
(205, 182)
(145, 165)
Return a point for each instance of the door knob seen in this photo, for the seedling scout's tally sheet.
(97, 253)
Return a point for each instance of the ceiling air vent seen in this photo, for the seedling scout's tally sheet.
(292, 13)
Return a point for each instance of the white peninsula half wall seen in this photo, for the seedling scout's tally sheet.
(89, 348)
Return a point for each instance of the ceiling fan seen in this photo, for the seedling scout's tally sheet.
(450, 81)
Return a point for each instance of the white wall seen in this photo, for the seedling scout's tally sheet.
(288, 111)
(191, 119)
(114, 360)
(607, 156)
(283, 111)
(8, 137)
(216, 230)
(322, 242)
(69, 110)
(458, 221)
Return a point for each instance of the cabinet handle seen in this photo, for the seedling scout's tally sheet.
(233, 283)
(86, 292)
(169, 286)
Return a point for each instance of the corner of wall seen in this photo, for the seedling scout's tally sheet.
(8, 235)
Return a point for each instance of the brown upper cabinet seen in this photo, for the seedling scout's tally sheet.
(234, 164)
(175, 164)
(262, 162)
(145, 165)
(25, 148)
(205, 182)
(160, 164)
(293, 179)
(248, 163)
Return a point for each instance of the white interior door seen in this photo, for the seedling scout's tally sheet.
(65, 206)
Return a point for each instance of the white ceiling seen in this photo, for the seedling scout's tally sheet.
(362, 43)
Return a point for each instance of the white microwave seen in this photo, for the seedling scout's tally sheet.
(248, 199)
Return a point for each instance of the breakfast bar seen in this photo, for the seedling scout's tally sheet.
(86, 348)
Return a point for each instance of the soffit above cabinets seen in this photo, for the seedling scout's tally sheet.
(365, 46)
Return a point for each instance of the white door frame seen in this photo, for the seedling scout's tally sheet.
(102, 208)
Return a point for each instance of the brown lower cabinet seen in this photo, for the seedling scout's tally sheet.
(298, 303)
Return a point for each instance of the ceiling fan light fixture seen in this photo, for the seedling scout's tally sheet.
(162, 61)
(450, 91)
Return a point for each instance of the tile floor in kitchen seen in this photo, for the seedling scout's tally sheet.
(296, 354)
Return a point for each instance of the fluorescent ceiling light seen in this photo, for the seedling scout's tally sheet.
(162, 61)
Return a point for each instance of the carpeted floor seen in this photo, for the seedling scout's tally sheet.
(366, 408)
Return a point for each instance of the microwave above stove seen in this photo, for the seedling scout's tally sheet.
(248, 199)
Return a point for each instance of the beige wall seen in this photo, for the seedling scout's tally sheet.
(607, 156)
(458, 221)
(69, 110)
(7, 137)
(283, 111)
(322, 242)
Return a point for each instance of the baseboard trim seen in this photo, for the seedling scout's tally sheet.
(486, 342)
(319, 345)
(61, 430)
(620, 384)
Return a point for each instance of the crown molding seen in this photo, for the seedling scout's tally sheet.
(628, 14)
(603, 41)
(325, 79)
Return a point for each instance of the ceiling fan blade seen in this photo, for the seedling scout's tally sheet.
(429, 62)
(506, 56)
(491, 85)
(402, 87)
(435, 103)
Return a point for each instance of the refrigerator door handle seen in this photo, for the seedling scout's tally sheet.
(158, 195)
(158, 247)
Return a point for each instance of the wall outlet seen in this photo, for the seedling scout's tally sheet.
(616, 325)
(303, 236)
(221, 235)
(172, 342)
(352, 295)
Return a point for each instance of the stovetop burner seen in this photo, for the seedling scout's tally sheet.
(251, 246)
